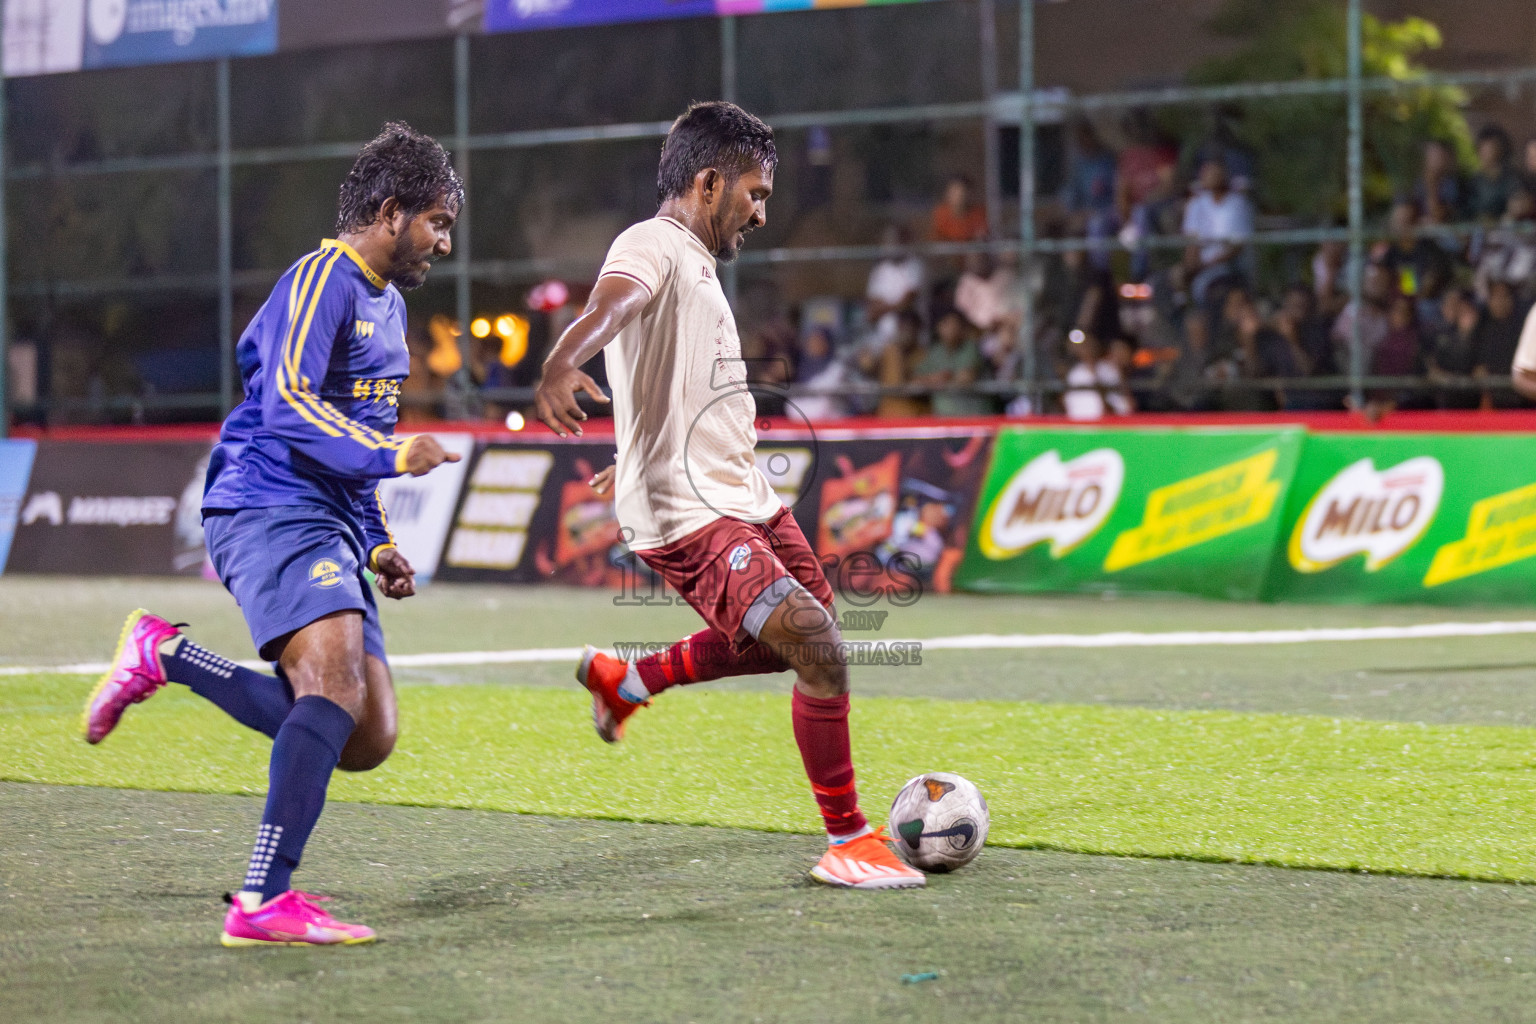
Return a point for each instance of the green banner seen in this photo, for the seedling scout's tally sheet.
(1436, 518)
(1192, 510)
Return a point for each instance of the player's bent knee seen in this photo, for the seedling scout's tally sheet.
(363, 753)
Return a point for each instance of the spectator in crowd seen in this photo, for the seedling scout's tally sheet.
(1092, 303)
(1329, 288)
(1145, 198)
(1377, 292)
(1452, 350)
(1440, 192)
(895, 366)
(1220, 219)
(823, 375)
(1490, 188)
(1509, 252)
(1528, 164)
(895, 284)
(1089, 196)
(1222, 145)
(1094, 383)
(1414, 262)
(1400, 353)
(957, 218)
(951, 366)
(1498, 335)
(1253, 351)
(1305, 332)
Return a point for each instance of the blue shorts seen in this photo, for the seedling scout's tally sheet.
(290, 565)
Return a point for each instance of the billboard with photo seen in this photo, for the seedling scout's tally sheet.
(47, 36)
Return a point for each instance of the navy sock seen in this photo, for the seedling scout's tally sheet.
(259, 701)
(304, 754)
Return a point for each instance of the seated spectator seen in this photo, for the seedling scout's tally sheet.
(1413, 260)
(1306, 336)
(952, 364)
(989, 293)
(1528, 165)
(1144, 187)
(1400, 354)
(1328, 285)
(895, 366)
(1509, 252)
(1223, 146)
(1094, 383)
(1452, 350)
(1440, 194)
(1489, 190)
(1089, 195)
(1498, 335)
(1259, 352)
(815, 354)
(894, 286)
(1377, 292)
(956, 218)
(819, 370)
(1220, 219)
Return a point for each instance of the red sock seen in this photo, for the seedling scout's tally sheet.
(821, 730)
(701, 657)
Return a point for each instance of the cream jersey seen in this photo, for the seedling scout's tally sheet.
(683, 417)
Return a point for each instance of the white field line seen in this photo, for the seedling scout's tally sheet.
(972, 642)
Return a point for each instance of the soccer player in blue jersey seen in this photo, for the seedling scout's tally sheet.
(292, 518)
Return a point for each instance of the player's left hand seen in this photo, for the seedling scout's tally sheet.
(396, 577)
(602, 483)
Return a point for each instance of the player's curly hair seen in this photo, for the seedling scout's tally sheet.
(405, 164)
(716, 134)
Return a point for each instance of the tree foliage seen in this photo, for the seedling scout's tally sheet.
(1302, 143)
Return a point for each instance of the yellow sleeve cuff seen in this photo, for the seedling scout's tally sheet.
(373, 556)
(403, 452)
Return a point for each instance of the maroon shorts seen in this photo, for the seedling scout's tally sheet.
(724, 568)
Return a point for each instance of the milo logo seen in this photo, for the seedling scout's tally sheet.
(1365, 511)
(1051, 500)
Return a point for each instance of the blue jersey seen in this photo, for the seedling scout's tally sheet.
(322, 363)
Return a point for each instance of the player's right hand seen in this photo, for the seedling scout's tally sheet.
(425, 455)
(555, 399)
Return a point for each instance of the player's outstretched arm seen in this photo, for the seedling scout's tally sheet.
(615, 301)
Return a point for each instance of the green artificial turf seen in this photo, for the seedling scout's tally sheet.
(1456, 801)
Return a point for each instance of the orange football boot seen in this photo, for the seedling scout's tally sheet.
(601, 674)
(866, 863)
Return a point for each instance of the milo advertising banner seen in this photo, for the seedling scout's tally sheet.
(1179, 510)
(1443, 518)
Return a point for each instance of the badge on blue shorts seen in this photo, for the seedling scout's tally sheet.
(324, 573)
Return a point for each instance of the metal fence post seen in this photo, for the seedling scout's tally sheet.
(1027, 194)
(991, 178)
(1356, 209)
(226, 246)
(460, 403)
(729, 279)
(5, 333)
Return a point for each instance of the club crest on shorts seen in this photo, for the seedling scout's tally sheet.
(325, 573)
(740, 557)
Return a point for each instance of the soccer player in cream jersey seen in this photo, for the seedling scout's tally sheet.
(688, 494)
(292, 517)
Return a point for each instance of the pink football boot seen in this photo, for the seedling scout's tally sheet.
(291, 919)
(135, 674)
